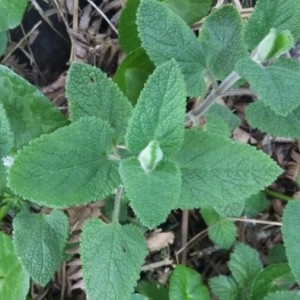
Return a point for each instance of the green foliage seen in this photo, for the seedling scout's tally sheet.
(221, 231)
(190, 11)
(152, 195)
(221, 119)
(256, 204)
(283, 295)
(3, 42)
(162, 165)
(91, 93)
(128, 33)
(207, 161)
(159, 113)
(153, 290)
(268, 14)
(14, 279)
(244, 265)
(111, 256)
(133, 73)
(221, 40)
(78, 156)
(185, 283)
(39, 241)
(273, 278)
(164, 39)
(291, 238)
(273, 83)
(277, 254)
(11, 13)
(6, 135)
(262, 117)
(29, 112)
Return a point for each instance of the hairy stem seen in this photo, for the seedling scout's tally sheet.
(117, 206)
(278, 195)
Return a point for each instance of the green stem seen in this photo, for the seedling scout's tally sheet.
(117, 206)
(202, 107)
(278, 195)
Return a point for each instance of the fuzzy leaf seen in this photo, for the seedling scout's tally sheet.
(71, 166)
(6, 135)
(163, 35)
(280, 14)
(221, 39)
(186, 283)
(111, 257)
(29, 112)
(265, 119)
(224, 287)
(273, 278)
(217, 172)
(91, 93)
(39, 242)
(291, 238)
(277, 254)
(221, 231)
(244, 264)
(11, 13)
(3, 42)
(221, 120)
(256, 204)
(190, 11)
(153, 194)
(283, 43)
(276, 85)
(283, 295)
(137, 297)
(133, 73)
(159, 112)
(14, 279)
(128, 34)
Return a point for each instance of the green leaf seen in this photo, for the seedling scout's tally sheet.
(283, 295)
(153, 290)
(137, 297)
(13, 278)
(221, 39)
(39, 242)
(91, 93)
(217, 172)
(276, 85)
(221, 120)
(277, 254)
(265, 119)
(164, 36)
(283, 43)
(6, 135)
(133, 73)
(268, 14)
(71, 166)
(11, 13)
(256, 204)
(153, 194)
(111, 257)
(225, 288)
(3, 42)
(29, 112)
(128, 33)
(221, 231)
(190, 11)
(159, 113)
(272, 278)
(185, 283)
(291, 238)
(244, 264)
